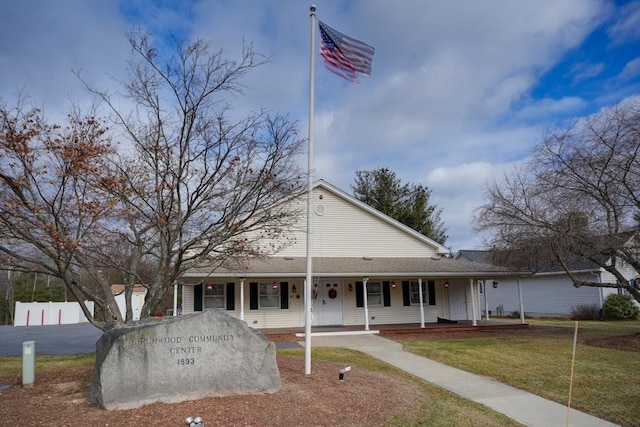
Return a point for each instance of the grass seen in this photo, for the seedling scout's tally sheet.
(13, 365)
(606, 382)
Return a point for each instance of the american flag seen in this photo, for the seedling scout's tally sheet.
(344, 55)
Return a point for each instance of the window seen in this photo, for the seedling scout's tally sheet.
(415, 293)
(214, 295)
(269, 295)
(374, 293)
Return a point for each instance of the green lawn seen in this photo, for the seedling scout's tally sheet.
(606, 382)
(538, 359)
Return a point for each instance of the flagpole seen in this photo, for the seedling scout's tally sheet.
(308, 281)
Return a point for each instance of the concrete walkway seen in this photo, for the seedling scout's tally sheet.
(521, 406)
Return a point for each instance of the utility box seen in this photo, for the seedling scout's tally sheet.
(28, 363)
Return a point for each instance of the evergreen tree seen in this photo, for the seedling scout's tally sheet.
(408, 203)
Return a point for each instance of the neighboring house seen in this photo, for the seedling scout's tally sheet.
(137, 299)
(364, 262)
(548, 292)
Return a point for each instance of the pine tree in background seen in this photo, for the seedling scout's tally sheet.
(408, 203)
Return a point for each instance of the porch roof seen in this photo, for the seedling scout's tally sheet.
(356, 267)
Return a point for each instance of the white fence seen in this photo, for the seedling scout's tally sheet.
(49, 313)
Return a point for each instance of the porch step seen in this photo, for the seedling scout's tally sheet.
(338, 333)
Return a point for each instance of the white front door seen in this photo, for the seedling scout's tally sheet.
(327, 303)
(457, 301)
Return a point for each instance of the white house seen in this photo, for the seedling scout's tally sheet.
(545, 293)
(367, 269)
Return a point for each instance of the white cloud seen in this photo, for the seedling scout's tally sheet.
(631, 70)
(448, 104)
(627, 24)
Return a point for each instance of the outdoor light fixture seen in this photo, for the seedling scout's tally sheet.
(495, 284)
(446, 283)
(194, 422)
(294, 289)
(393, 284)
(350, 287)
(342, 372)
(275, 285)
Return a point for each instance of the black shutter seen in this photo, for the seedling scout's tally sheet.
(386, 294)
(197, 297)
(253, 296)
(359, 294)
(431, 286)
(231, 296)
(284, 295)
(406, 293)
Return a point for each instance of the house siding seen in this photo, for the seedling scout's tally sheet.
(542, 295)
(293, 317)
(346, 231)
(261, 318)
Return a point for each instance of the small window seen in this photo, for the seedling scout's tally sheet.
(415, 293)
(214, 295)
(269, 295)
(374, 293)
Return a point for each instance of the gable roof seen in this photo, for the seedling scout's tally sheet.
(440, 249)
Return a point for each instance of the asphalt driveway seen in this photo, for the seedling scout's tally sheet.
(52, 339)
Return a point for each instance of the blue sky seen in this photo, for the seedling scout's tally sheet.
(460, 90)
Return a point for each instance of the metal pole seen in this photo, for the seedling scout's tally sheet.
(307, 295)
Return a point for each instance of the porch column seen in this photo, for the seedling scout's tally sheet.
(486, 303)
(366, 303)
(473, 303)
(421, 303)
(242, 298)
(175, 299)
(521, 305)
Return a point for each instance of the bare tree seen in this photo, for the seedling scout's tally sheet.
(49, 208)
(190, 184)
(578, 197)
(198, 185)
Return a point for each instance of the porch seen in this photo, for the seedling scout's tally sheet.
(400, 328)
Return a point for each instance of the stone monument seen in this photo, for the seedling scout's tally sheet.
(182, 358)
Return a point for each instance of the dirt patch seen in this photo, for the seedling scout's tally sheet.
(624, 342)
(320, 399)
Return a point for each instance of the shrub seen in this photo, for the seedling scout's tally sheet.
(586, 312)
(620, 307)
